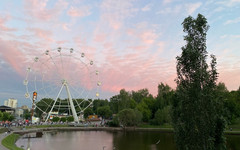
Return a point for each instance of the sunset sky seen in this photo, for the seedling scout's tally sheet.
(133, 42)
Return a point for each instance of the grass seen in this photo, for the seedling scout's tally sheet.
(236, 125)
(154, 126)
(9, 142)
(2, 130)
(46, 126)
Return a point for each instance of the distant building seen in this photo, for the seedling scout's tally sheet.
(7, 109)
(11, 103)
(25, 107)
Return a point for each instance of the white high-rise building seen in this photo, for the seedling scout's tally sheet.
(11, 102)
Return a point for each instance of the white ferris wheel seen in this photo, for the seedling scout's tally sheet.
(62, 82)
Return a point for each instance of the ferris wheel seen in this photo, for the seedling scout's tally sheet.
(62, 82)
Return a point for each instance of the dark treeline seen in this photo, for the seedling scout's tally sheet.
(157, 110)
(153, 110)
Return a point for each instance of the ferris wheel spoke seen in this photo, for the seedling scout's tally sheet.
(58, 68)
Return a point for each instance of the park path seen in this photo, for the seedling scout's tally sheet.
(3, 135)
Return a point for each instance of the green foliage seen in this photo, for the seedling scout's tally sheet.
(44, 104)
(70, 119)
(162, 116)
(55, 119)
(99, 103)
(26, 114)
(232, 106)
(197, 113)
(114, 122)
(129, 117)
(1, 115)
(88, 112)
(5, 116)
(104, 111)
(144, 109)
(11, 118)
(9, 142)
(140, 95)
(63, 119)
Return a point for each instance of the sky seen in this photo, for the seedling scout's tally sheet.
(134, 43)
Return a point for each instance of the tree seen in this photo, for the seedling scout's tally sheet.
(44, 104)
(162, 116)
(55, 119)
(144, 109)
(5, 116)
(197, 118)
(129, 117)
(26, 114)
(104, 111)
(88, 112)
(63, 119)
(70, 119)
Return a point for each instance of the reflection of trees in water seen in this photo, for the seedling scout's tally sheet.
(143, 140)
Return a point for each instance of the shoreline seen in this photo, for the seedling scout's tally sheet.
(111, 129)
(160, 130)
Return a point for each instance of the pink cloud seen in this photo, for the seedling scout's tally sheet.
(42, 34)
(100, 37)
(82, 11)
(231, 78)
(148, 37)
(38, 9)
(3, 27)
(134, 71)
(13, 56)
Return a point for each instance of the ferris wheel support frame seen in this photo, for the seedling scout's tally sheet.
(64, 83)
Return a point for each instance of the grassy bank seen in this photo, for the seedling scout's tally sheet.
(154, 126)
(9, 142)
(46, 126)
(2, 130)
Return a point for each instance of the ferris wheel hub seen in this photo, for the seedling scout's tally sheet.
(64, 82)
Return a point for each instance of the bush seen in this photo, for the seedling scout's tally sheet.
(70, 119)
(55, 119)
(63, 119)
(114, 122)
(129, 117)
(162, 116)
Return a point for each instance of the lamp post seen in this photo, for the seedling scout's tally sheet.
(33, 104)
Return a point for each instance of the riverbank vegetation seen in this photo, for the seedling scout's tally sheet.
(9, 142)
(156, 111)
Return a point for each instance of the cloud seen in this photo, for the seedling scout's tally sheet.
(13, 56)
(38, 10)
(42, 34)
(3, 21)
(192, 7)
(148, 37)
(233, 21)
(171, 10)
(114, 13)
(167, 1)
(230, 36)
(228, 3)
(147, 7)
(82, 11)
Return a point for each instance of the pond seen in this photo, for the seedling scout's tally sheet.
(106, 140)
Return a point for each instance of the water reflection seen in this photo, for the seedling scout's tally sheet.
(103, 140)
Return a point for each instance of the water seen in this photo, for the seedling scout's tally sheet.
(104, 140)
